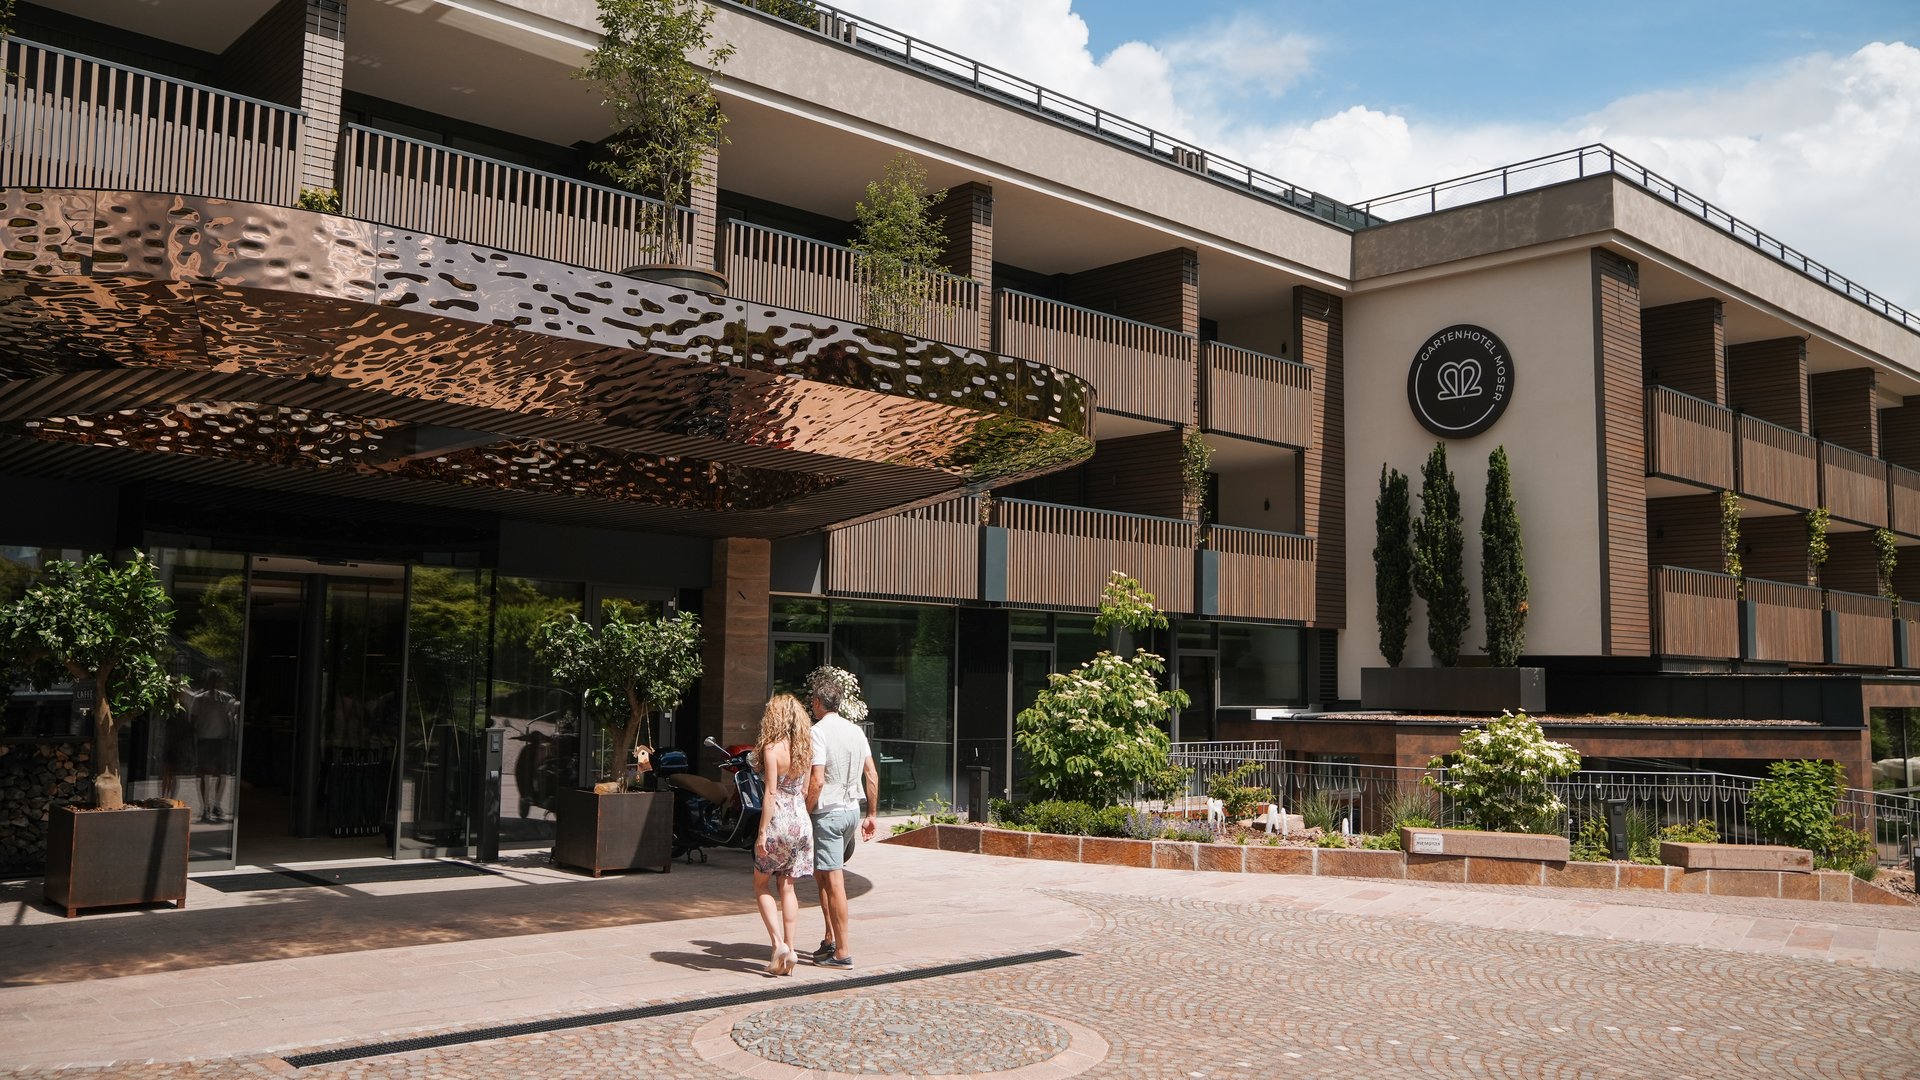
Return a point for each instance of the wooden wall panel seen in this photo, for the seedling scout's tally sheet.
(1698, 613)
(1626, 627)
(1768, 379)
(1684, 346)
(1685, 531)
(1139, 474)
(1776, 548)
(1843, 407)
(1787, 623)
(1162, 289)
(1318, 327)
(1853, 563)
(1900, 433)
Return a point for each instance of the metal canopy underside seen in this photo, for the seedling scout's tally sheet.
(149, 336)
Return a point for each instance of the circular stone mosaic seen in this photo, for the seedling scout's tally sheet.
(894, 1035)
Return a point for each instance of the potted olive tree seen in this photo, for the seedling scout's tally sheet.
(628, 669)
(668, 119)
(103, 628)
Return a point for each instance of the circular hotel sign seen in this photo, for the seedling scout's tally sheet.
(1460, 381)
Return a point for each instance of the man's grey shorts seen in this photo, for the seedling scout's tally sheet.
(834, 834)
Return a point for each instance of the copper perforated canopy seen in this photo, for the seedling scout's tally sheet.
(202, 339)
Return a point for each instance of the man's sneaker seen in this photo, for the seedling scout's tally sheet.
(837, 962)
(824, 952)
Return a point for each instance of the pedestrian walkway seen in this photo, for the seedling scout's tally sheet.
(1159, 957)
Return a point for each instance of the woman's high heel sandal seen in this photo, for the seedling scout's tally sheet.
(786, 959)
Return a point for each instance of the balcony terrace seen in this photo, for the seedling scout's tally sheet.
(1255, 396)
(1704, 615)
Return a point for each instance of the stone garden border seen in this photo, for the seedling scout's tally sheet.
(1829, 885)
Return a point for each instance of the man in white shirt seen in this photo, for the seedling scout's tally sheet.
(842, 763)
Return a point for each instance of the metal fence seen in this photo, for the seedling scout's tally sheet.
(1369, 798)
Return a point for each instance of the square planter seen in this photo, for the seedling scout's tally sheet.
(1454, 690)
(628, 830)
(109, 858)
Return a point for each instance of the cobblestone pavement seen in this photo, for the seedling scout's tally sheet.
(1191, 988)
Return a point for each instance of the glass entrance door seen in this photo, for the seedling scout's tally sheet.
(1199, 677)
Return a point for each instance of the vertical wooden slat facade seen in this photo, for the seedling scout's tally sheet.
(1689, 439)
(1843, 408)
(1698, 613)
(1768, 379)
(1061, 556)
(1909, 614)
(1135, 367)
(767, 266)
(1855, 484)
(1319, 325)
(1264, 575)
(1786, 622)
(1904, 484)
(1778, 464)
(1625, 619)
(929, 552)
(441, 192)
(1684, 346)
(72, 121)
(1255, 396)
(1862, 629)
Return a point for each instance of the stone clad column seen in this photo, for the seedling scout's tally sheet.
(737, 610)
(966, 217)
(296, 54)
(1844, 408)
(1626, 611)
(1319, 327)
(1768, 380)
(1683, 346)
(704, 199)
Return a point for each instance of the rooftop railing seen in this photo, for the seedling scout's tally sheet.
(929, 59)
(1599, 160)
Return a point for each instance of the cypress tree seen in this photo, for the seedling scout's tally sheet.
(1392, 564)
(1439, 566)
(1503, 566)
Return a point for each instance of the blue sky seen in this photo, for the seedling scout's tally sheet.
(1801, 118)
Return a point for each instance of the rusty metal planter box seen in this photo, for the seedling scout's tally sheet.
(629, 830)
(109, 858)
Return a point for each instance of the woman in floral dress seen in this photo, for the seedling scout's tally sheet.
(784, 850)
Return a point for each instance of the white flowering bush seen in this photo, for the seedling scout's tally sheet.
(1095, 732)
(1498, 777)
(852, 705)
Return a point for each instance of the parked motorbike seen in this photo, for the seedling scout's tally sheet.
(722, 813)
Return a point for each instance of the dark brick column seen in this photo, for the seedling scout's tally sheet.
(1684, 346)
(1768, 379)
(966, 216)
(1319, 327)
(1844, 408)
(1900, 433)
(296, 54)
(1620, 404)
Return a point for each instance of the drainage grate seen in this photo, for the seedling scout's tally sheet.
(670, 1008)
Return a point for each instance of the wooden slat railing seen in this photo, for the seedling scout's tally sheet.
(1256, 395)
(438, 191)
(1135, 367)
(1786, 625)
(1904, 487)
(1909, 613)
(1689, 439)
(1856, 485)
(1263, 575)
(1779, 464)
(767, 266)
(1061, 556)
(1862, 629)
(929, 552)
(1696, 613)
(76, 122)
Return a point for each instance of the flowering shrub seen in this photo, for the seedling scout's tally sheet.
(852, 705)
(1498, 777)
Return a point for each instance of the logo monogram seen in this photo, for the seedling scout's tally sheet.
(1458, 379)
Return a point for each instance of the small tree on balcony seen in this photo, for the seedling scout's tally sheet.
(1392, 564)
(664, 108)
(1439, 564)
(1818, 548)
(1503, 566)
(896, 245)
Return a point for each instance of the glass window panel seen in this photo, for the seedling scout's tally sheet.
(903, 655)
(1197, 635)
(27, 713)
(448, 616)
(793, 660)
(1261, 666)
(1076, 641)
(189, 749)
(542, 753)
(799, 615)
(1035, 626)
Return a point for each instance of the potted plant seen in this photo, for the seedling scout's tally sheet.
(669, 119)
(103, 628)
(628, 669)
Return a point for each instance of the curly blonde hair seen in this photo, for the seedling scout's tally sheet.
(786, 720)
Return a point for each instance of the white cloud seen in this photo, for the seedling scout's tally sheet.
(1821, 153)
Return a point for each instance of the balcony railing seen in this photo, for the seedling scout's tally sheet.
(767, 266)
(1061, 556)
(1255, 395)
(1786, 623)
(1689, 439)
(1862, 629)
(1856, 485)
(1779, 464)
(1599, 160)
(1135, 367)
(932, 551)
(73, 121)
(1908, 614)
(1696, 613)
(1263, 575)
(434, 190)
(1904, 486)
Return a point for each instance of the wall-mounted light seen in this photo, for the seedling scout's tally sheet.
(1266, 504)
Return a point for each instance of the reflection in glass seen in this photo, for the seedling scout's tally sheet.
(25, 712)
(189, 749)
(1261, 665)
(542, 749)
(903, 655)
(448, 611)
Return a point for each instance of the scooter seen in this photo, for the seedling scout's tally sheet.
(707, 813)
